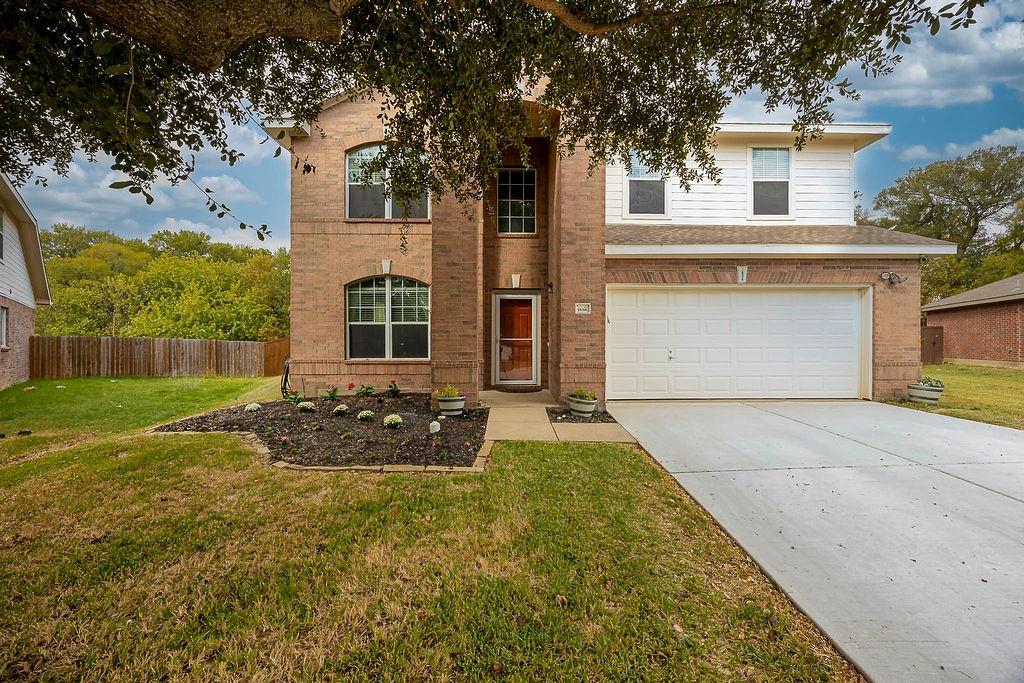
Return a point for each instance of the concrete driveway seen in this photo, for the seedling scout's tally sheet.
(901, 533)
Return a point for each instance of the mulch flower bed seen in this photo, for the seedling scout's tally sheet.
(321, 438)
(561, 416)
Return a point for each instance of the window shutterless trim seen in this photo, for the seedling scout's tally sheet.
(388, 350)
(627, 176)
(388, 199)
(498, 200)
(750, 186)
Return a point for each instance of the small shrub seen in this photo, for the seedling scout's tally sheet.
(330, 393)
(365, 415)
(393, 421)
(365, 390)
(581, 394)
(294, 397)
(306, 406)
(393, 391)
(253, 407)
(340, 410)
(931, 382)
(449, 391)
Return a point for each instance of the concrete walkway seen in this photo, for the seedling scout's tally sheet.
(524, 417)
(899, 532)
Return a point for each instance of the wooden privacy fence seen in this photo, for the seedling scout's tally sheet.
(67, 357)
(931, 345)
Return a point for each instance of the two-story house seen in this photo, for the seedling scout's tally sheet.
(23, 284)
(619, 281)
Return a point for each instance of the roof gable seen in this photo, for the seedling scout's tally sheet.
(28, 231)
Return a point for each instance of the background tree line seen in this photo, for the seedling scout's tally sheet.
(976, 201)
(174, 284)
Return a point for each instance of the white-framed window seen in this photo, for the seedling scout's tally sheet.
(517, 201)
(5, 316)
(388, 317)
(770, 182)
(366, 198)
(646, 190)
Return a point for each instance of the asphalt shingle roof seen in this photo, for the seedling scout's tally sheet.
(1010, 289)
(647, 234)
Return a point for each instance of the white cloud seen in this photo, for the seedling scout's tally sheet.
(226, 231)
(955, 67)
(1000, 136)
(228, 189)
(916, 153)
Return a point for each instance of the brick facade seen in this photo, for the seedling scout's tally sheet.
(21, 323)
(992, 332)
(460, 255)
(896, 339)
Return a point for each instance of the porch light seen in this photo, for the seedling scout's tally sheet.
(892, 277)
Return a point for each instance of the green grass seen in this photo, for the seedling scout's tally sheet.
(61, 416)
(974, 392)
(183, 556)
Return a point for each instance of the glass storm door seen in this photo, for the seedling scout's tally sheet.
(516, 335)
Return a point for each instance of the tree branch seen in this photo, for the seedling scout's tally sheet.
(575, 22)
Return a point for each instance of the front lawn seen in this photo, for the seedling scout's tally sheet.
(63, 411)
(134, 557)
(974, 392)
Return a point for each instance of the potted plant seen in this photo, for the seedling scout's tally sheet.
(928, 390)
(450, 400)
(582, 403)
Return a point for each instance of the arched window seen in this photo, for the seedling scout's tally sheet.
(365, 197)
(388, 317)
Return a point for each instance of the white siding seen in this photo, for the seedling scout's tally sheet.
(822, 192)
(14, 282)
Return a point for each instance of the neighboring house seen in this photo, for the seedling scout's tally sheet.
(23, 283)
(617, 281)
(983, 325)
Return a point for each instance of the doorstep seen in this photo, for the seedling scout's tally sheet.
(531, 423)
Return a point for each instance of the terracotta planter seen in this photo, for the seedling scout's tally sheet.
(452, 407)
(924, 394)
(581, 408)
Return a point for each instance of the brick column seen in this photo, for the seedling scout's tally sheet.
(456, 291)
(577, 263)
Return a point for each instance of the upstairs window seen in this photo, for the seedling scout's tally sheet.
(517, 201)
(366, 196)
(388, 317)
(646, 189)
(770, 176)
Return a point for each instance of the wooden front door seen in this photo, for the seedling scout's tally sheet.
(515, 350)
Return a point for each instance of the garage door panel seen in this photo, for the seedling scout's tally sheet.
(725, 343)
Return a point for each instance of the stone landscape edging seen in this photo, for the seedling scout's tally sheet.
(254, 443)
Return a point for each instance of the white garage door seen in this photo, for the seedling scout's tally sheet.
(734, 343)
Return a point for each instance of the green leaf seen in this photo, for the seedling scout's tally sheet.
(117, 70)
(121, 184)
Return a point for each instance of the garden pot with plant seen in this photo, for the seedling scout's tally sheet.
(582, 403)
(450, 400)
(928, 390)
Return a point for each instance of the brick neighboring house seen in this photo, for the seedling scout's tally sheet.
(23, 283)
(983, 325)
(618, 281)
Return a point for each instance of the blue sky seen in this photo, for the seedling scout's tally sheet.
(952, 93)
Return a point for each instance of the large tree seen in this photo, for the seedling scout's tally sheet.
(966, 200)
(151, 82)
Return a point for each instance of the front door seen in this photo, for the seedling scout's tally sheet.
(515, 334)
